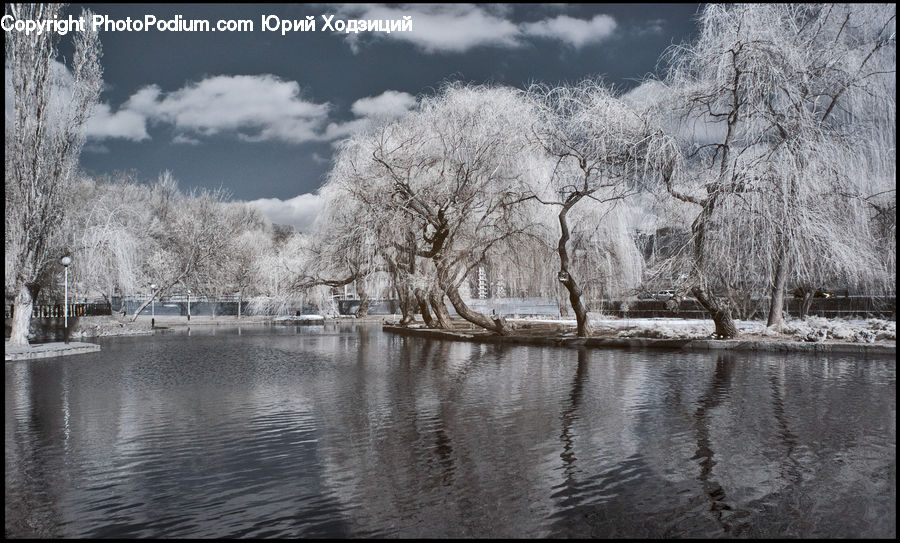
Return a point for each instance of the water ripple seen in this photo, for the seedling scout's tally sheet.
(348, 432)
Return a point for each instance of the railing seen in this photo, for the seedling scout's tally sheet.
(858, 307)
(58, 310)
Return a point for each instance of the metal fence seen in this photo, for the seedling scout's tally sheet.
(58, 310)
(860, 307)
(841, 307)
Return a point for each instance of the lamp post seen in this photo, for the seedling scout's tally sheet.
(65, 261)
(189, 304)
(153, 300)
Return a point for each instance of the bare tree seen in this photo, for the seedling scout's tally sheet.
(344, 248)
(190, 236)
(358, 233)
(453, 171)
(107, 221)
(244, 251)
(597, 145)
(43, 143)
(277, 271)
(759, 90)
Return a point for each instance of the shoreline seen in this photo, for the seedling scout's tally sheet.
(686, 344)
(554, 335)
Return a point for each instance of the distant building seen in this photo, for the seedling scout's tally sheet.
(486, 283)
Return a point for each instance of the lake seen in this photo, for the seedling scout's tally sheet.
(343, 430)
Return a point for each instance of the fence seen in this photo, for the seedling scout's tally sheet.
(841, 307)
(860, 307)
(58, 310)
(170, 307)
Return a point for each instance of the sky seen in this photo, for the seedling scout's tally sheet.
(260, 112)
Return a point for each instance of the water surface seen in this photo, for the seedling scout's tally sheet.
(345, 431)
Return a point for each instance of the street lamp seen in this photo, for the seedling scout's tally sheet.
(189, 304)
(65, 261)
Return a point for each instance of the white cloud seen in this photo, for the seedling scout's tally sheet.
(101, 124)
(336, 131)
(444, 27)
(647, 94)
(187, 140)
(575, 32)
(256, 107)
(388, 105)
(300, 211)
(251, 108)
(654, 26)
(125, 123)
(457, 28)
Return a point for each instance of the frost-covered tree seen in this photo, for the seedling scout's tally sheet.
(345, 248)
(43, 142)
(768, 94)
(243, 252)
(453, 171)
(190, 236)
(597, 147)
(107, 222)
(277, 272)
(361, 231)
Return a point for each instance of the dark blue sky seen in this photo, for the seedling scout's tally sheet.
(258, 112)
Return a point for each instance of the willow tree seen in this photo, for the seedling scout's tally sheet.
(825, 123)
(357, 233)
(108, 220)
(344, 233)
(759, 93)
(597, 146)
(44, 138)
(453, 172)
(189, 236)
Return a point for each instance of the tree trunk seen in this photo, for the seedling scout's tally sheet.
(405, 307)
(583, 326)
(363, 309)
(142, 307)
(719, 311)
(561, 302)
(497, 326)
(776, 303)
(153, 296)
(240, 295)
(566, 277)
(806, 303)
(436, 300)
(21, 318)
(422, 302)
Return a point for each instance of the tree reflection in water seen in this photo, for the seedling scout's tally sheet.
(717, 391)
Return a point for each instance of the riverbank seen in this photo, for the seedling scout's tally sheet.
(813, 334)
(116, 325)
(93, 327)
(675, 334)
(47, 350)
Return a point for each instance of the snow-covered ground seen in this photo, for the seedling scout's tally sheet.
(808, 329)
(304, 318)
